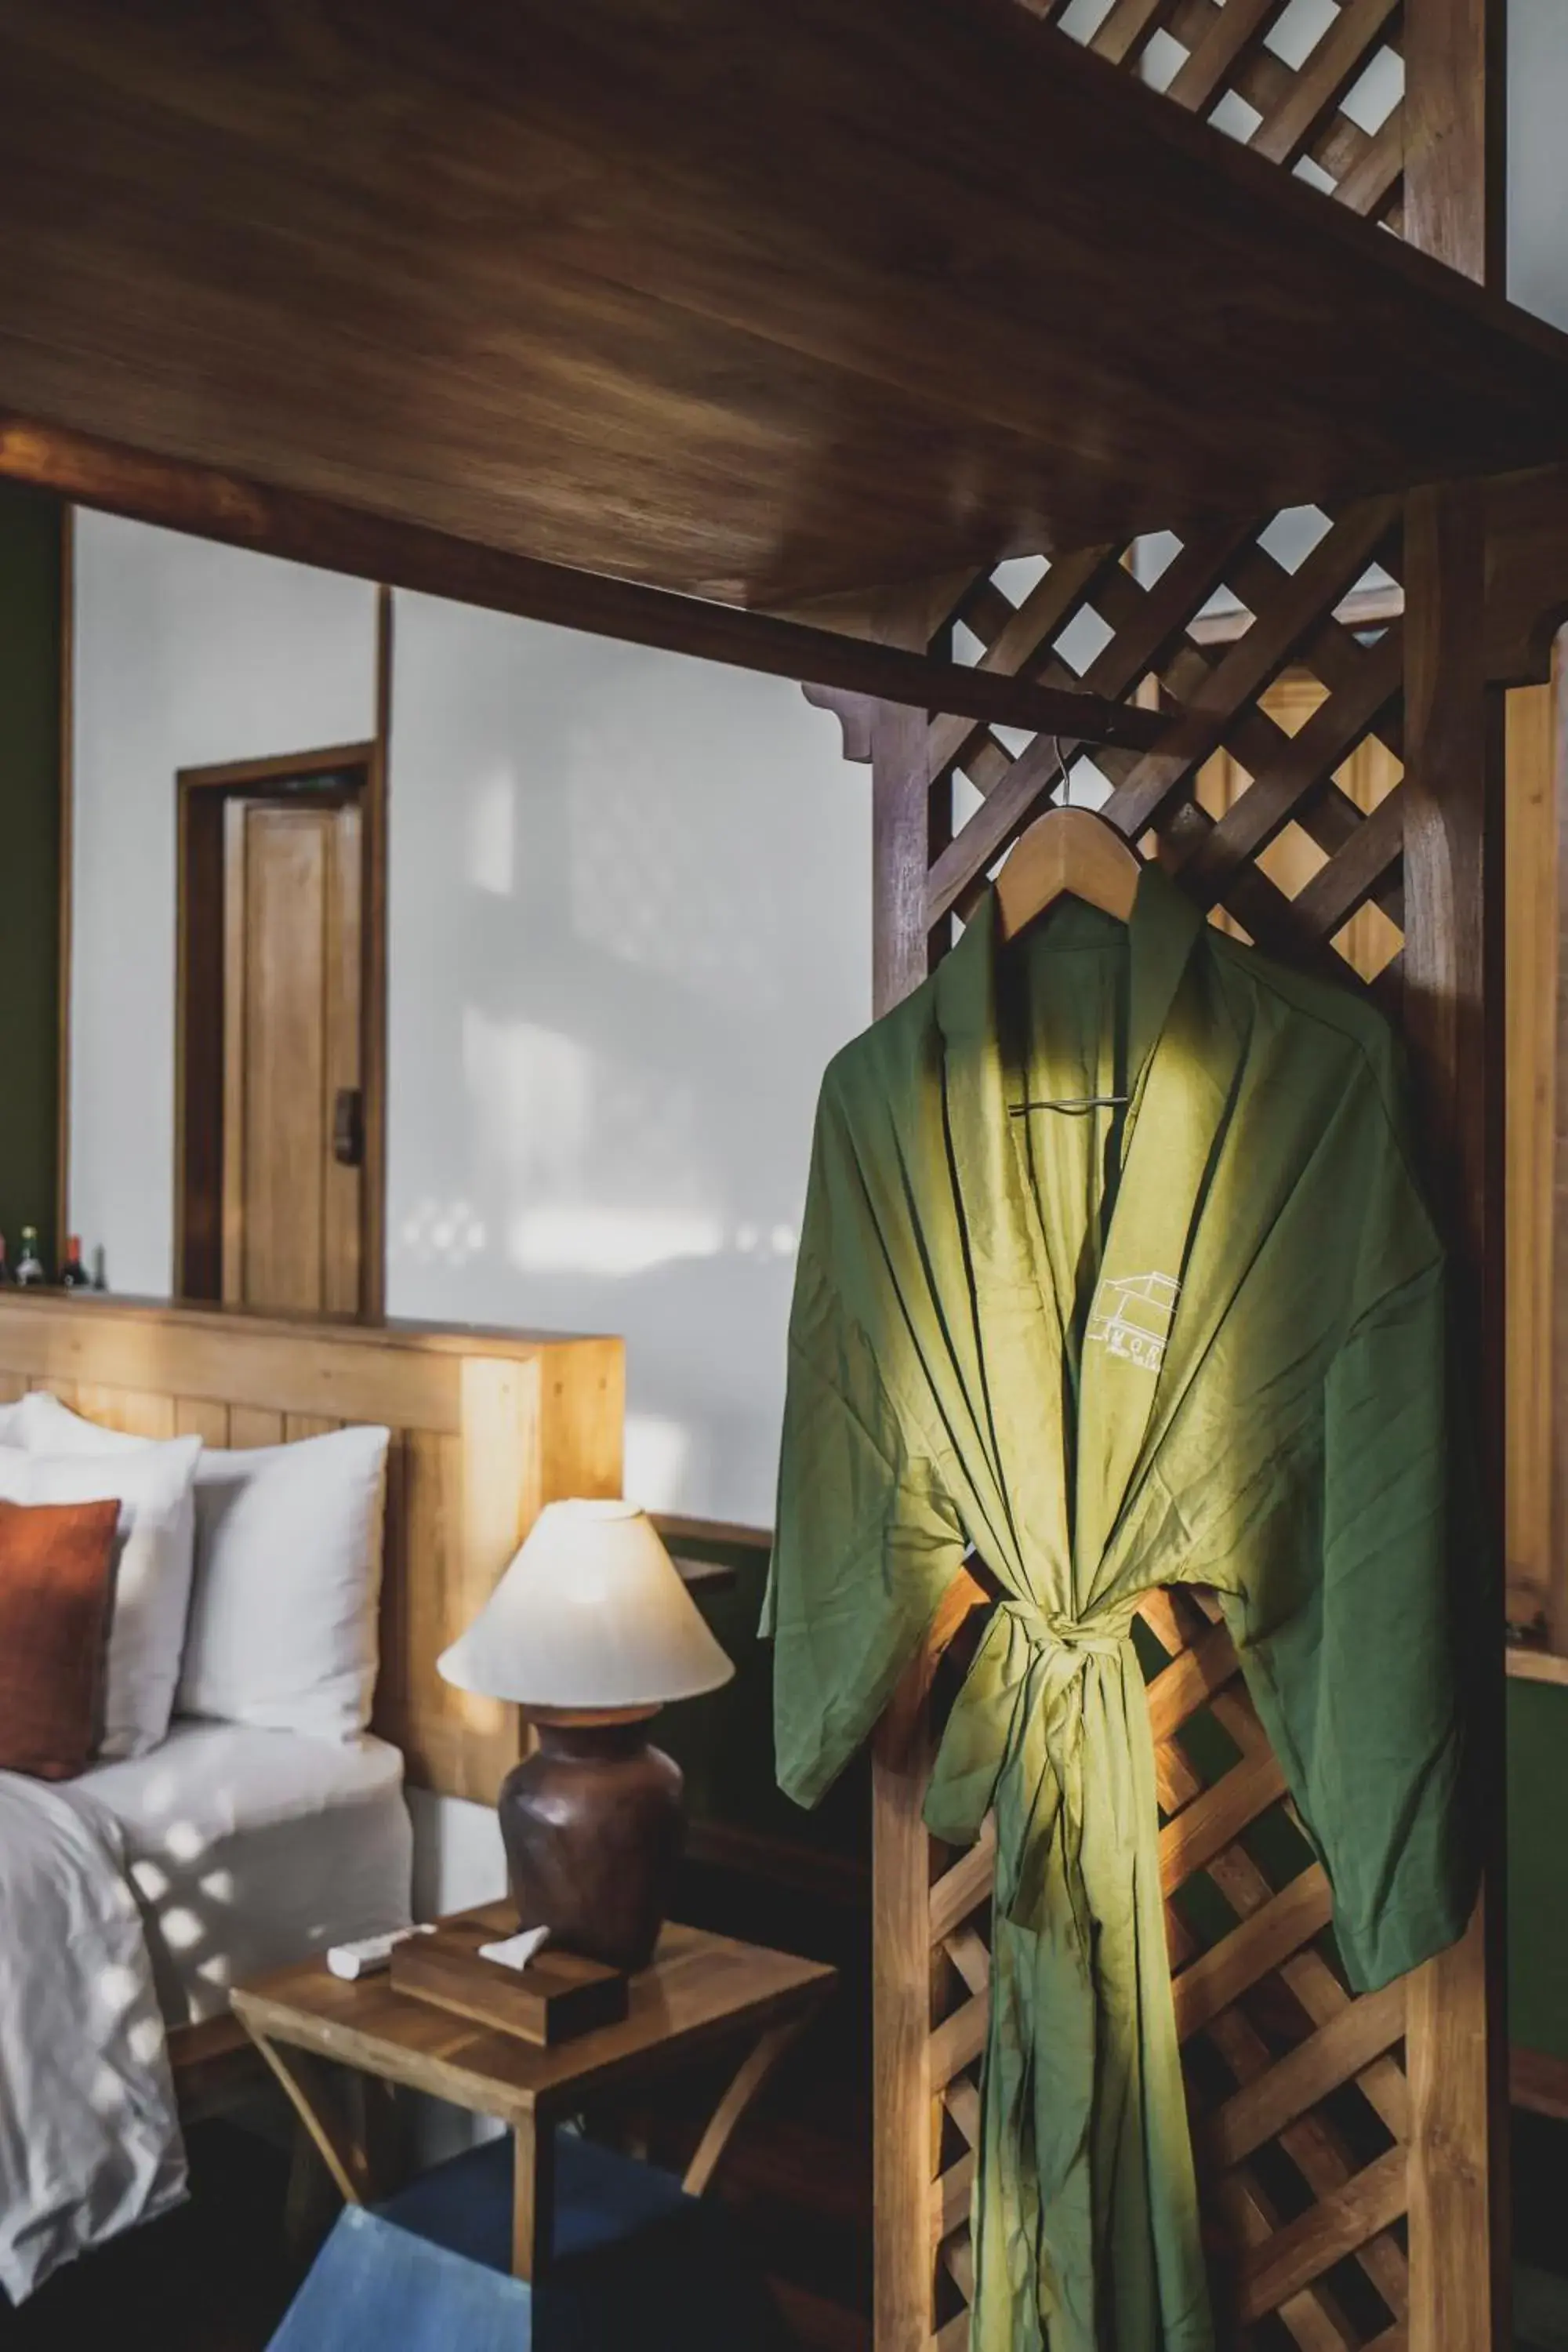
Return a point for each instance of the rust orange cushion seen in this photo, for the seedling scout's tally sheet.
(56, 1588)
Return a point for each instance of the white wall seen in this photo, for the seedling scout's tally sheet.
(1538, 169)
(186, 655)
(629, 922)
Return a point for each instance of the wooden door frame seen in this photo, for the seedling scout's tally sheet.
(201, 796)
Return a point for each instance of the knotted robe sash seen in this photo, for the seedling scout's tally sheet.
(1084, 2215)
(1078, 2085)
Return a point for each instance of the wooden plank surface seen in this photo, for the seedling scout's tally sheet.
(701, 1989)
(555, 282)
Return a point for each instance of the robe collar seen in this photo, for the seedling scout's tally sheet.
(1164, 928)
(1179, 1074)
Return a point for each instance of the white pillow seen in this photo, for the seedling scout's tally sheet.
(283, 1618)
(152, 1571)
(11, 1423)
(288, 1574)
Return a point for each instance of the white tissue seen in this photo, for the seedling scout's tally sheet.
(517, 1951)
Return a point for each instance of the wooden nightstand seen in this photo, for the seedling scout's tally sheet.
(702, 1990)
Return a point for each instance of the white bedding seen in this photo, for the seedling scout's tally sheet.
(249, 1849)
(135, 1896)
(89, 2141)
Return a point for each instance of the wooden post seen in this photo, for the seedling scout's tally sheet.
(1455, 134)
(902, 2022)
(1456, 2039)
(1455, 209)
(1535, 867)
(1556, 1594)
(900, 859)
(900, 1756)
(532, 2193)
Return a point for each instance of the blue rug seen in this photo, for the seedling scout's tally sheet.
(635, 2264)
(373, 2288)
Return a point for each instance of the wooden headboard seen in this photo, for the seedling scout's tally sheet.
(486, 1427)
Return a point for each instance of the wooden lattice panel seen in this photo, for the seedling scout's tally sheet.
(1151, 611)
(1277, 799)
(1296, 2089)
(1316, 88)
(1341, 2212)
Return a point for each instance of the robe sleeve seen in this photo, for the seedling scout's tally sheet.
(1354, 1658)
(866, 1540)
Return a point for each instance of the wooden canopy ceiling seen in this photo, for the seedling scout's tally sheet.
(759, 302)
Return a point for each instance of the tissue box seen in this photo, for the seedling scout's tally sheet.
(556, 1996)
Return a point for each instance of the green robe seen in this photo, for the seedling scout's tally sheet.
(1198, 1340)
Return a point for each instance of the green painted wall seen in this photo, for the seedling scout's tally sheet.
(1538, 1866)
(30, 558)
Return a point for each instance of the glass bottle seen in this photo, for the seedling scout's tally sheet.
(30, 1275)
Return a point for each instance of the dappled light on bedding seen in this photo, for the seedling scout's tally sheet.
(246, 1848)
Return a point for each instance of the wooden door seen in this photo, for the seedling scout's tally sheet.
(292, 1054)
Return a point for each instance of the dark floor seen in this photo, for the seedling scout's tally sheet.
(210, 2277)
(214, 2277)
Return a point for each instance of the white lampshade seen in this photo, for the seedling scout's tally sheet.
(591, 1613)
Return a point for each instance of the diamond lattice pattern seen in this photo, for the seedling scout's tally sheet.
(1316, 88)
(1275, 797)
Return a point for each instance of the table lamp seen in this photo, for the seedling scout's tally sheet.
(590, 1632)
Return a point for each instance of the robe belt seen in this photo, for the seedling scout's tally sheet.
(1100, 1636)
(1015, 1741)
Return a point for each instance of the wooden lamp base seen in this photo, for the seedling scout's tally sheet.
(592, 1823)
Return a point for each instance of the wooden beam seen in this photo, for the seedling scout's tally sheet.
(370, 546)
(551, 277)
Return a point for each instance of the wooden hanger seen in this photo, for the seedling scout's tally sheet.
(1066, 851)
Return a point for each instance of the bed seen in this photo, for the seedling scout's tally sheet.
(247, 1849)
(134, 1895)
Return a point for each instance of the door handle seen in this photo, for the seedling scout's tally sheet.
(348, 1128)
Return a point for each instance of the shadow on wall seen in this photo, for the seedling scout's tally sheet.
(629, 924)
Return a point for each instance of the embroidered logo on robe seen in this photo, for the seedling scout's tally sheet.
(1132, 1318)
